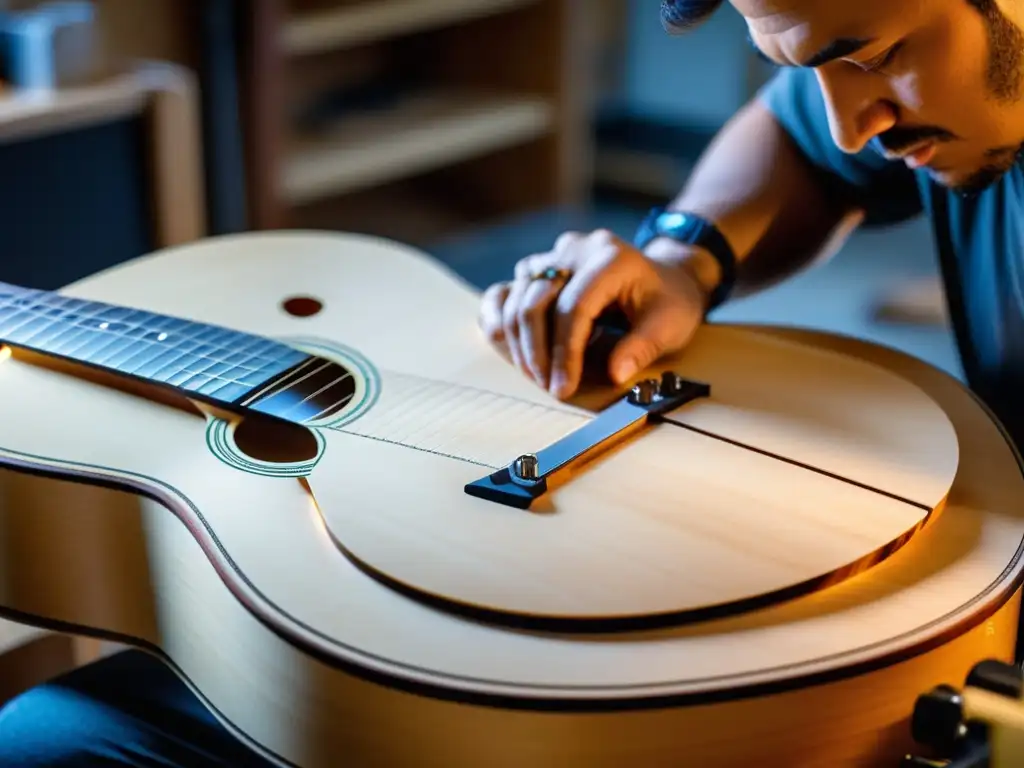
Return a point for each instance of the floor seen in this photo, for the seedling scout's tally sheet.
(836, 296)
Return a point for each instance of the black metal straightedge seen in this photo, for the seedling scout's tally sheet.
(525, 480)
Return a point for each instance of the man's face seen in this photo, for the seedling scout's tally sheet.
(937, 83)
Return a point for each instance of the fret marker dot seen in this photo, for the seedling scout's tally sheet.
(162, 337)
(302, 306)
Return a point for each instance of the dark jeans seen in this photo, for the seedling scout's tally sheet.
(125, 710)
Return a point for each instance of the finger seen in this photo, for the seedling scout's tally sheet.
(656, 332)
(489, 317)
(510, 323)
(533, 327)
(533, 265)
(582, 300)
(501, 347)
(567, 240)
(604, 280)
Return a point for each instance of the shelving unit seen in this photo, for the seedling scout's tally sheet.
(481, 114)
(325, 29)
(426, 132)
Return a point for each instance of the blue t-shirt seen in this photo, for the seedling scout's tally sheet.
(978, 239)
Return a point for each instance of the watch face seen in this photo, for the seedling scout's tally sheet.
(676, 222)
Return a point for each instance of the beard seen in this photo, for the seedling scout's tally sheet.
(998, 162)
(1004, 81)
(1004, 84)
(1005, 75)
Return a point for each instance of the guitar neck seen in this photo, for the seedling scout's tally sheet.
(219, 365)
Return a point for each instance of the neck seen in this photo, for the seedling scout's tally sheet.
(207, 361)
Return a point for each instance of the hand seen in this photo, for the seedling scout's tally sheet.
(542, 326)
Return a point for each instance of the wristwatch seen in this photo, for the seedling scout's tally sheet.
(691, 229)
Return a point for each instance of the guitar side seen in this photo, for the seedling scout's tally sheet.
(229, 575)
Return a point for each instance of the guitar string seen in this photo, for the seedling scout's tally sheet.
(88, 310)
(268, 389)
(89, 334)
(222, 347)
(544, 410)
(85, 317)
(78, 307)
(203, 352)
(94, 312)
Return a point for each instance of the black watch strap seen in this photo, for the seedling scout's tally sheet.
(691, 229)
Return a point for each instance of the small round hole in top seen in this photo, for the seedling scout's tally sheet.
(302, 306)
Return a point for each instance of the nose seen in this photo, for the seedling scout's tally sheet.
(857, 106)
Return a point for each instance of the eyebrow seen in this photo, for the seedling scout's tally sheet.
(837, 49)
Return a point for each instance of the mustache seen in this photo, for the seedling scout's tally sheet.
(897, 140)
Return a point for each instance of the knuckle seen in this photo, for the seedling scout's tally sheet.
(559, 353)
(490, 295)
(526, 266)
(493, 332)
(567, 239)
(510, 322)
(530, 314)
(567, 304)
(569, 315)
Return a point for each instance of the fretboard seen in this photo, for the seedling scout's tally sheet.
(216, 363)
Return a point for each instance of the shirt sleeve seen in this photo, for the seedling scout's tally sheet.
(885, 190)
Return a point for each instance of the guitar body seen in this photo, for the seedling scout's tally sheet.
(768, 575)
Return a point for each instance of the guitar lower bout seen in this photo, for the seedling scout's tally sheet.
(272, 448)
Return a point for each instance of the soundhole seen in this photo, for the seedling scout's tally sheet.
(272, 442)
(302, 306)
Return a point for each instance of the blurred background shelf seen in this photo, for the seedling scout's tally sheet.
(424, 132)
(455, 90)
(317, 27)
(28, 115)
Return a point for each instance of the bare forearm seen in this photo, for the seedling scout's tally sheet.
(753, 183)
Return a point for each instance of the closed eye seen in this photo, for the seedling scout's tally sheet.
(883, 60)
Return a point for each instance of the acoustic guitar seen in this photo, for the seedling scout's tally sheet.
(289, 466)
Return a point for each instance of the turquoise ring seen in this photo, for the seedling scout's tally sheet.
(552, 273)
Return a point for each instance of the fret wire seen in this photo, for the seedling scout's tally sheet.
(57, 331)
(283, 386)
(154, 346)
(78, 321)
(193, 373)
(74, 344)
(16, 292)
(58, 320)
(28, 318)
(193, 330)
(210, 362)
(88, 336)
(113, 345)
(56, 340)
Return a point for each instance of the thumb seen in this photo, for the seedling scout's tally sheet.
(655, 333)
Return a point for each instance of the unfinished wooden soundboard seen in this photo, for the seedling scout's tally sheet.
(798, 471)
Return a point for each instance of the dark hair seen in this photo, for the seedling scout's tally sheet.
(679, 16)
(683, 15)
